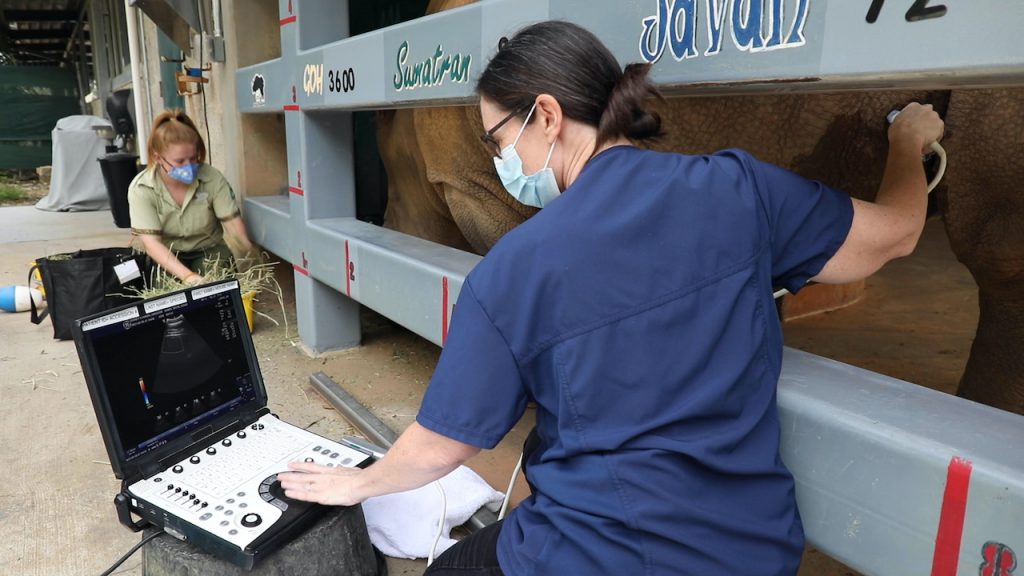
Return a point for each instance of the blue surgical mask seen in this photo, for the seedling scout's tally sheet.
(185, 174)
(537, 189)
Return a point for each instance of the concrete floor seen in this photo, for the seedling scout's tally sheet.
(56, 516)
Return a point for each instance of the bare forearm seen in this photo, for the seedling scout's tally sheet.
(418, 457)
(903, 194)
(237, 237)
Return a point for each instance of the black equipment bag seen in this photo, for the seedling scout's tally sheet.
(78, 284)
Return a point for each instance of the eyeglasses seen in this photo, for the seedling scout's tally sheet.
(488, 136)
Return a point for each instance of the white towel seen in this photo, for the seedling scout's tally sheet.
(404, 524)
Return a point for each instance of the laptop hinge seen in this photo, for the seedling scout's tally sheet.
(250, 417)
(151, 469)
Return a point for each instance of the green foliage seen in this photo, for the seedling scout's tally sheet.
(10, 193)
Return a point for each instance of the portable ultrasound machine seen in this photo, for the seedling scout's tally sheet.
(183, 412)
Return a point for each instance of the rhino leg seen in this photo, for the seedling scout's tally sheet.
(983, 208)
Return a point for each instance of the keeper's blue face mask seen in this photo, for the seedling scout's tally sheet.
(537, 189)
(185, 174)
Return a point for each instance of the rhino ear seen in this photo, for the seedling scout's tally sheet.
(502, 42)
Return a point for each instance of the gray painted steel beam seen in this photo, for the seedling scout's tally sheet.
(268, 221)
(411, 281)
(894, 478)
(695, 45)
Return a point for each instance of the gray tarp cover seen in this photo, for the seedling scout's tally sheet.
(76, 183)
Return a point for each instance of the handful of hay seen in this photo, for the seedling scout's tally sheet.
(252, 278)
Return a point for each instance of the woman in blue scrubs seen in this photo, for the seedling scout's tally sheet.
(636, 311)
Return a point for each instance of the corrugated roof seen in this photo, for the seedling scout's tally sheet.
(40, 32)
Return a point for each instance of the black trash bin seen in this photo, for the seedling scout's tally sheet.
(119, 168)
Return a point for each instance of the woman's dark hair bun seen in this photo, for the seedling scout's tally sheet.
(627, 113)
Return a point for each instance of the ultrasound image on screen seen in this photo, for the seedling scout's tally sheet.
(170, 372)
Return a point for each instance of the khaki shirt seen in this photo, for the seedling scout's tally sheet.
(196, 225)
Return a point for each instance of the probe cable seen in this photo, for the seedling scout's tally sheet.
(511, 485)
(132, 551)
(440, 522)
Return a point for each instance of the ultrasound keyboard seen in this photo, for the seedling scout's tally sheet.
(230, 488)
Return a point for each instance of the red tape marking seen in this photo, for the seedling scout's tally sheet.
(951, 518)
(298, 191)
(288, 20)
(444, 309)
(291, 107)
(300, 270)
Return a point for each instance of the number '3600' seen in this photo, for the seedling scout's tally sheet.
(341, 81)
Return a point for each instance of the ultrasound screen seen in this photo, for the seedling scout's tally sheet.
(173, 369)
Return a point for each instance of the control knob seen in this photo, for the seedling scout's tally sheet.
(251, 520)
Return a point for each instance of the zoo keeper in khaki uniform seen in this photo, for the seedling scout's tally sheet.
(183, 210)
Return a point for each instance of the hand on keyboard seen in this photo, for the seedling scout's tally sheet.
(316, 483)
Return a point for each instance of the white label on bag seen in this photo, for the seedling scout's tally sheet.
(127, 271)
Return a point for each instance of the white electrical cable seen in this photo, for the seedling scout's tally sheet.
(440, 522)
(444, 507)
(941, 153)
(511, 485)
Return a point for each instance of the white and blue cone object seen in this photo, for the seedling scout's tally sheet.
(16, 298)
